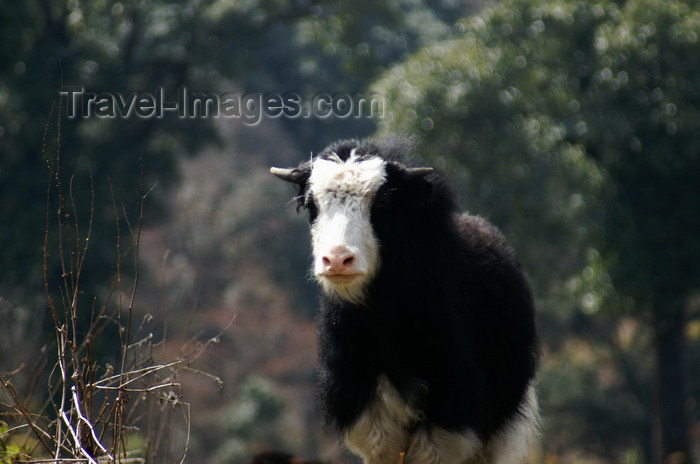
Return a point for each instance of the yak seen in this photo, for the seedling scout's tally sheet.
(427, 339)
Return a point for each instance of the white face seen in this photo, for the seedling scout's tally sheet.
(345, 250)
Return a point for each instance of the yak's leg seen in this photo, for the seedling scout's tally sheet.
(515, 443)
(438, 446)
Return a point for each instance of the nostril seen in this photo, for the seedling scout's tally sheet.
(338, 260)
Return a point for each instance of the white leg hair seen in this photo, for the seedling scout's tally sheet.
(514, 444)
(381, 433)
(438, 446)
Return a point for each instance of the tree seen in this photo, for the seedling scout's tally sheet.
(572, 125)
(645, 120)
(339, 49)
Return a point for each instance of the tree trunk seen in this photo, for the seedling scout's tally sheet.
(672, 414)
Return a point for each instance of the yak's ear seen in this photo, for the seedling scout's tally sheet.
(297, 175)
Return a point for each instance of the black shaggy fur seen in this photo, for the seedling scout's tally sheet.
(449, 317)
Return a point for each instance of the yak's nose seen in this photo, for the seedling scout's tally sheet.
(338, 260)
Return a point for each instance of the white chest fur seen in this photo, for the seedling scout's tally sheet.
(381, 433)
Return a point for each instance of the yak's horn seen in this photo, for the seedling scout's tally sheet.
(416, 173)
(290, 175)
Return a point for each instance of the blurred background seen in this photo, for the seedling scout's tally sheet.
(572, 125)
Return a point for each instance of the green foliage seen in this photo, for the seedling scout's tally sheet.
(486, 107)
(645, 123)
(10, 451)
(253, 418)
(339, 48)
(576, 386)
(103, 47)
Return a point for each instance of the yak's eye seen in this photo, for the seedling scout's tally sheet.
(310, 206)
(307, 202)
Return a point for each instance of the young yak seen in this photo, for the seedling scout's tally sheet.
(427, 334)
